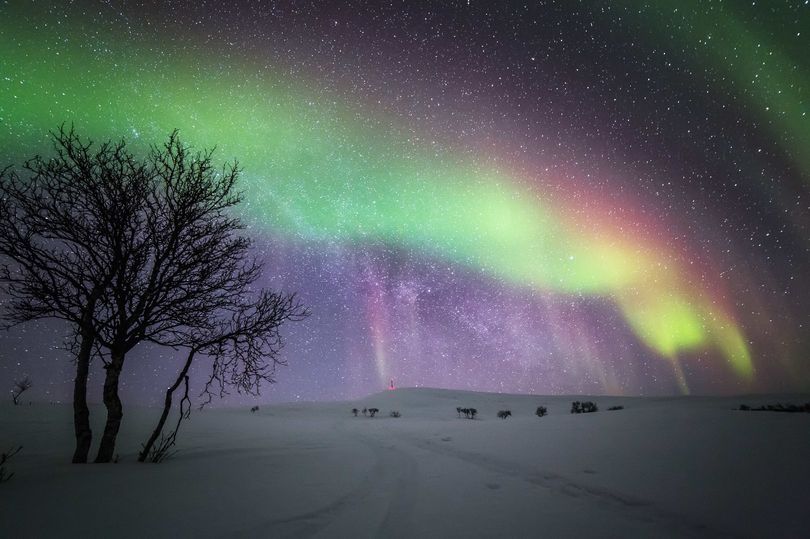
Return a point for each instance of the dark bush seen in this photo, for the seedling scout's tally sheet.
(778, 407)
(365, 411)
(503, 414)
(373, 411)
(585, 407)
(395, 413)
(615, 408)
(459, 409)
(254, 409)
(354, 411)
(541, 411)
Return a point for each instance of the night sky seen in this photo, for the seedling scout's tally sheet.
(549, 197)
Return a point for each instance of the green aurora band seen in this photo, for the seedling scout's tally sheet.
(317, 171)
(751, 56)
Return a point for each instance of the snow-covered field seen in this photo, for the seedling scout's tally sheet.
(662, 467)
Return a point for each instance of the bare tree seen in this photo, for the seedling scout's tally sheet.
(196, 264)
(125, 250)
(243, 346)
(63, 229)
(20, 387)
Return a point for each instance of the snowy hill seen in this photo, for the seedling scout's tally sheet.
(661, 467)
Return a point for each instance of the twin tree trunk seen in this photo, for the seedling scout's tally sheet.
(112, 401)
(114, 409)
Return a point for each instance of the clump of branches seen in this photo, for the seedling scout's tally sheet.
(4, 458)
(541, 411)
(469, 413)
(395, 413)
(20, 387)
(614, 408)
(373, 411)
(245, 345)
(503, 414)
(254, 409)
(355, 411)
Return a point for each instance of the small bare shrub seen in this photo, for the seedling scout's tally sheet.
(4, 458)
(20, 387)
(161, 450)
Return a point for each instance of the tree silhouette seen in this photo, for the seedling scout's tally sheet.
(66, 226)
(126, 251)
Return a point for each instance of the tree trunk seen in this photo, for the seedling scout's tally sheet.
(81, 413)
(114, 409)
(167, 405)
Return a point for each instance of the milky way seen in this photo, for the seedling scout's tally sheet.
(549, 198)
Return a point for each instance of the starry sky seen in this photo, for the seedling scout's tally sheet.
(546, 197)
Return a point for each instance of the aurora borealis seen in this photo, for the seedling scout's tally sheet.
(508, 198)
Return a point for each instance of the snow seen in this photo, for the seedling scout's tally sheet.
(662, 467)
